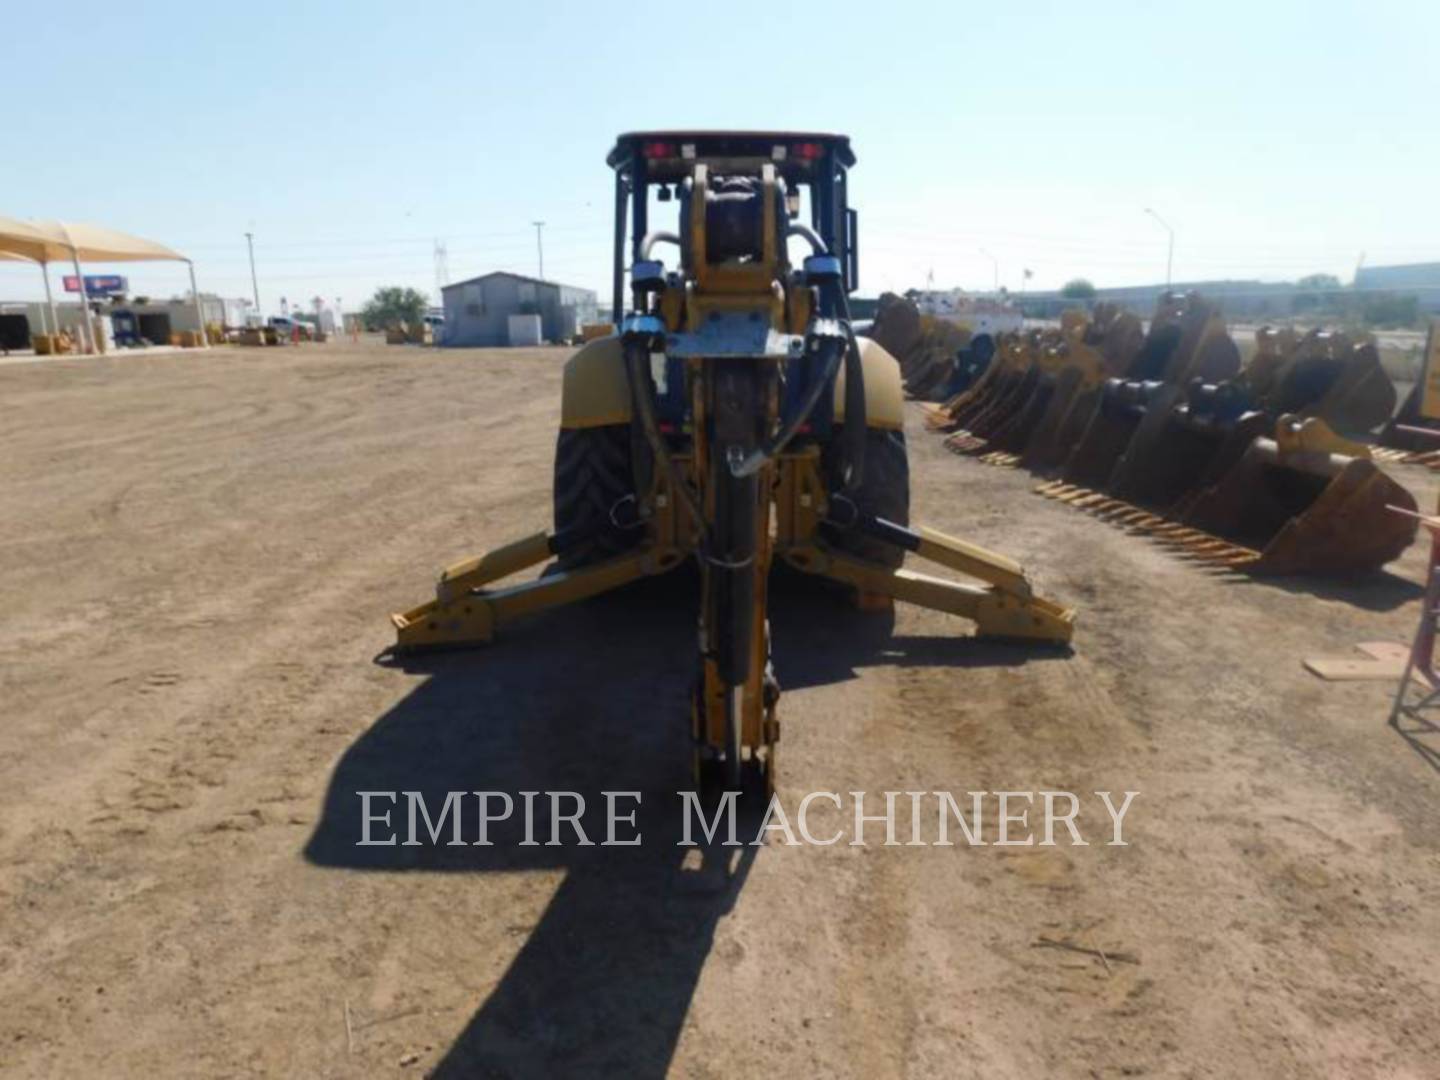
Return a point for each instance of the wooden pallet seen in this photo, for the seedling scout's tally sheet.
(1384, 662)
(1182, 539)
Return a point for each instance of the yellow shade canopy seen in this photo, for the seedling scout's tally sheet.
(23, 240)
(71, 241)
(55, 241)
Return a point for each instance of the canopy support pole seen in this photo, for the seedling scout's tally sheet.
(87, 332)
(49, 300)
(199, 310)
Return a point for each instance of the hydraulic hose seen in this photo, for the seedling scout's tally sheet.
(753, 462)
(658, 237)
(637, 360)
(849, 352)
(805, 232)
(856, 420)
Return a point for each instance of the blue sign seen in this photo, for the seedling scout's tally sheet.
(97, 284)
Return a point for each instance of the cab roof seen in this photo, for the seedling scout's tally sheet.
(729, 144)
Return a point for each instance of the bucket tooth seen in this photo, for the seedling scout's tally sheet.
(1244, 556)
(1136, 519)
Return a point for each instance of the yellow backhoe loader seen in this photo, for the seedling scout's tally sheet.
(734, 419)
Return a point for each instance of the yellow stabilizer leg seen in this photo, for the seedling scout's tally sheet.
(472, 573)
(463, 613)
(1004, 573)
(1007, 608)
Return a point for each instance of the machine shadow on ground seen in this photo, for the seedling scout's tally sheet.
(593, 699)
(1380, 591)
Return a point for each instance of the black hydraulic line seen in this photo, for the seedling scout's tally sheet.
(754, 461)
(751, 463)
(621, 518)
(843, 513)
(637, 361)
(855, 416)
(805, 232)
(660, 236)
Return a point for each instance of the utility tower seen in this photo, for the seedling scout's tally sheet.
(442, 266)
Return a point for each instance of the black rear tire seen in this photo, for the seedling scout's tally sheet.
(884, 492)
(592, 475)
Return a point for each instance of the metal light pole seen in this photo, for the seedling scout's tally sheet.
(1170, 252)
(996, 263)
(540, 245)
(254, 281)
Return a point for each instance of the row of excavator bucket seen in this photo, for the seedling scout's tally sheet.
(924, 345)
(1304, 502)
(1165, 434)
(1324, 374)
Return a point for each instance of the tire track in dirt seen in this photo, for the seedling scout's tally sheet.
(192, 682)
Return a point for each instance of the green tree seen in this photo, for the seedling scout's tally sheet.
(1078, 289)
(1317, 292)
(1390, 309)
(393, 305)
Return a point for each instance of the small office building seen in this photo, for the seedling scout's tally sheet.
(478, 311)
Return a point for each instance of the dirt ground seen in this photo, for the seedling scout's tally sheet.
(199, 554)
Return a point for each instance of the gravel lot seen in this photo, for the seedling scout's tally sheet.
(199, 554)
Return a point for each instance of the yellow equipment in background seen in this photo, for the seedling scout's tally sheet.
(1430, 374)
(52, 344)
(1413, 433)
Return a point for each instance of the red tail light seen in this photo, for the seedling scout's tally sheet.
(807, 151)
(658, 150)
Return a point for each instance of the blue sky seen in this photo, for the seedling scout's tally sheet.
(1277, 138)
